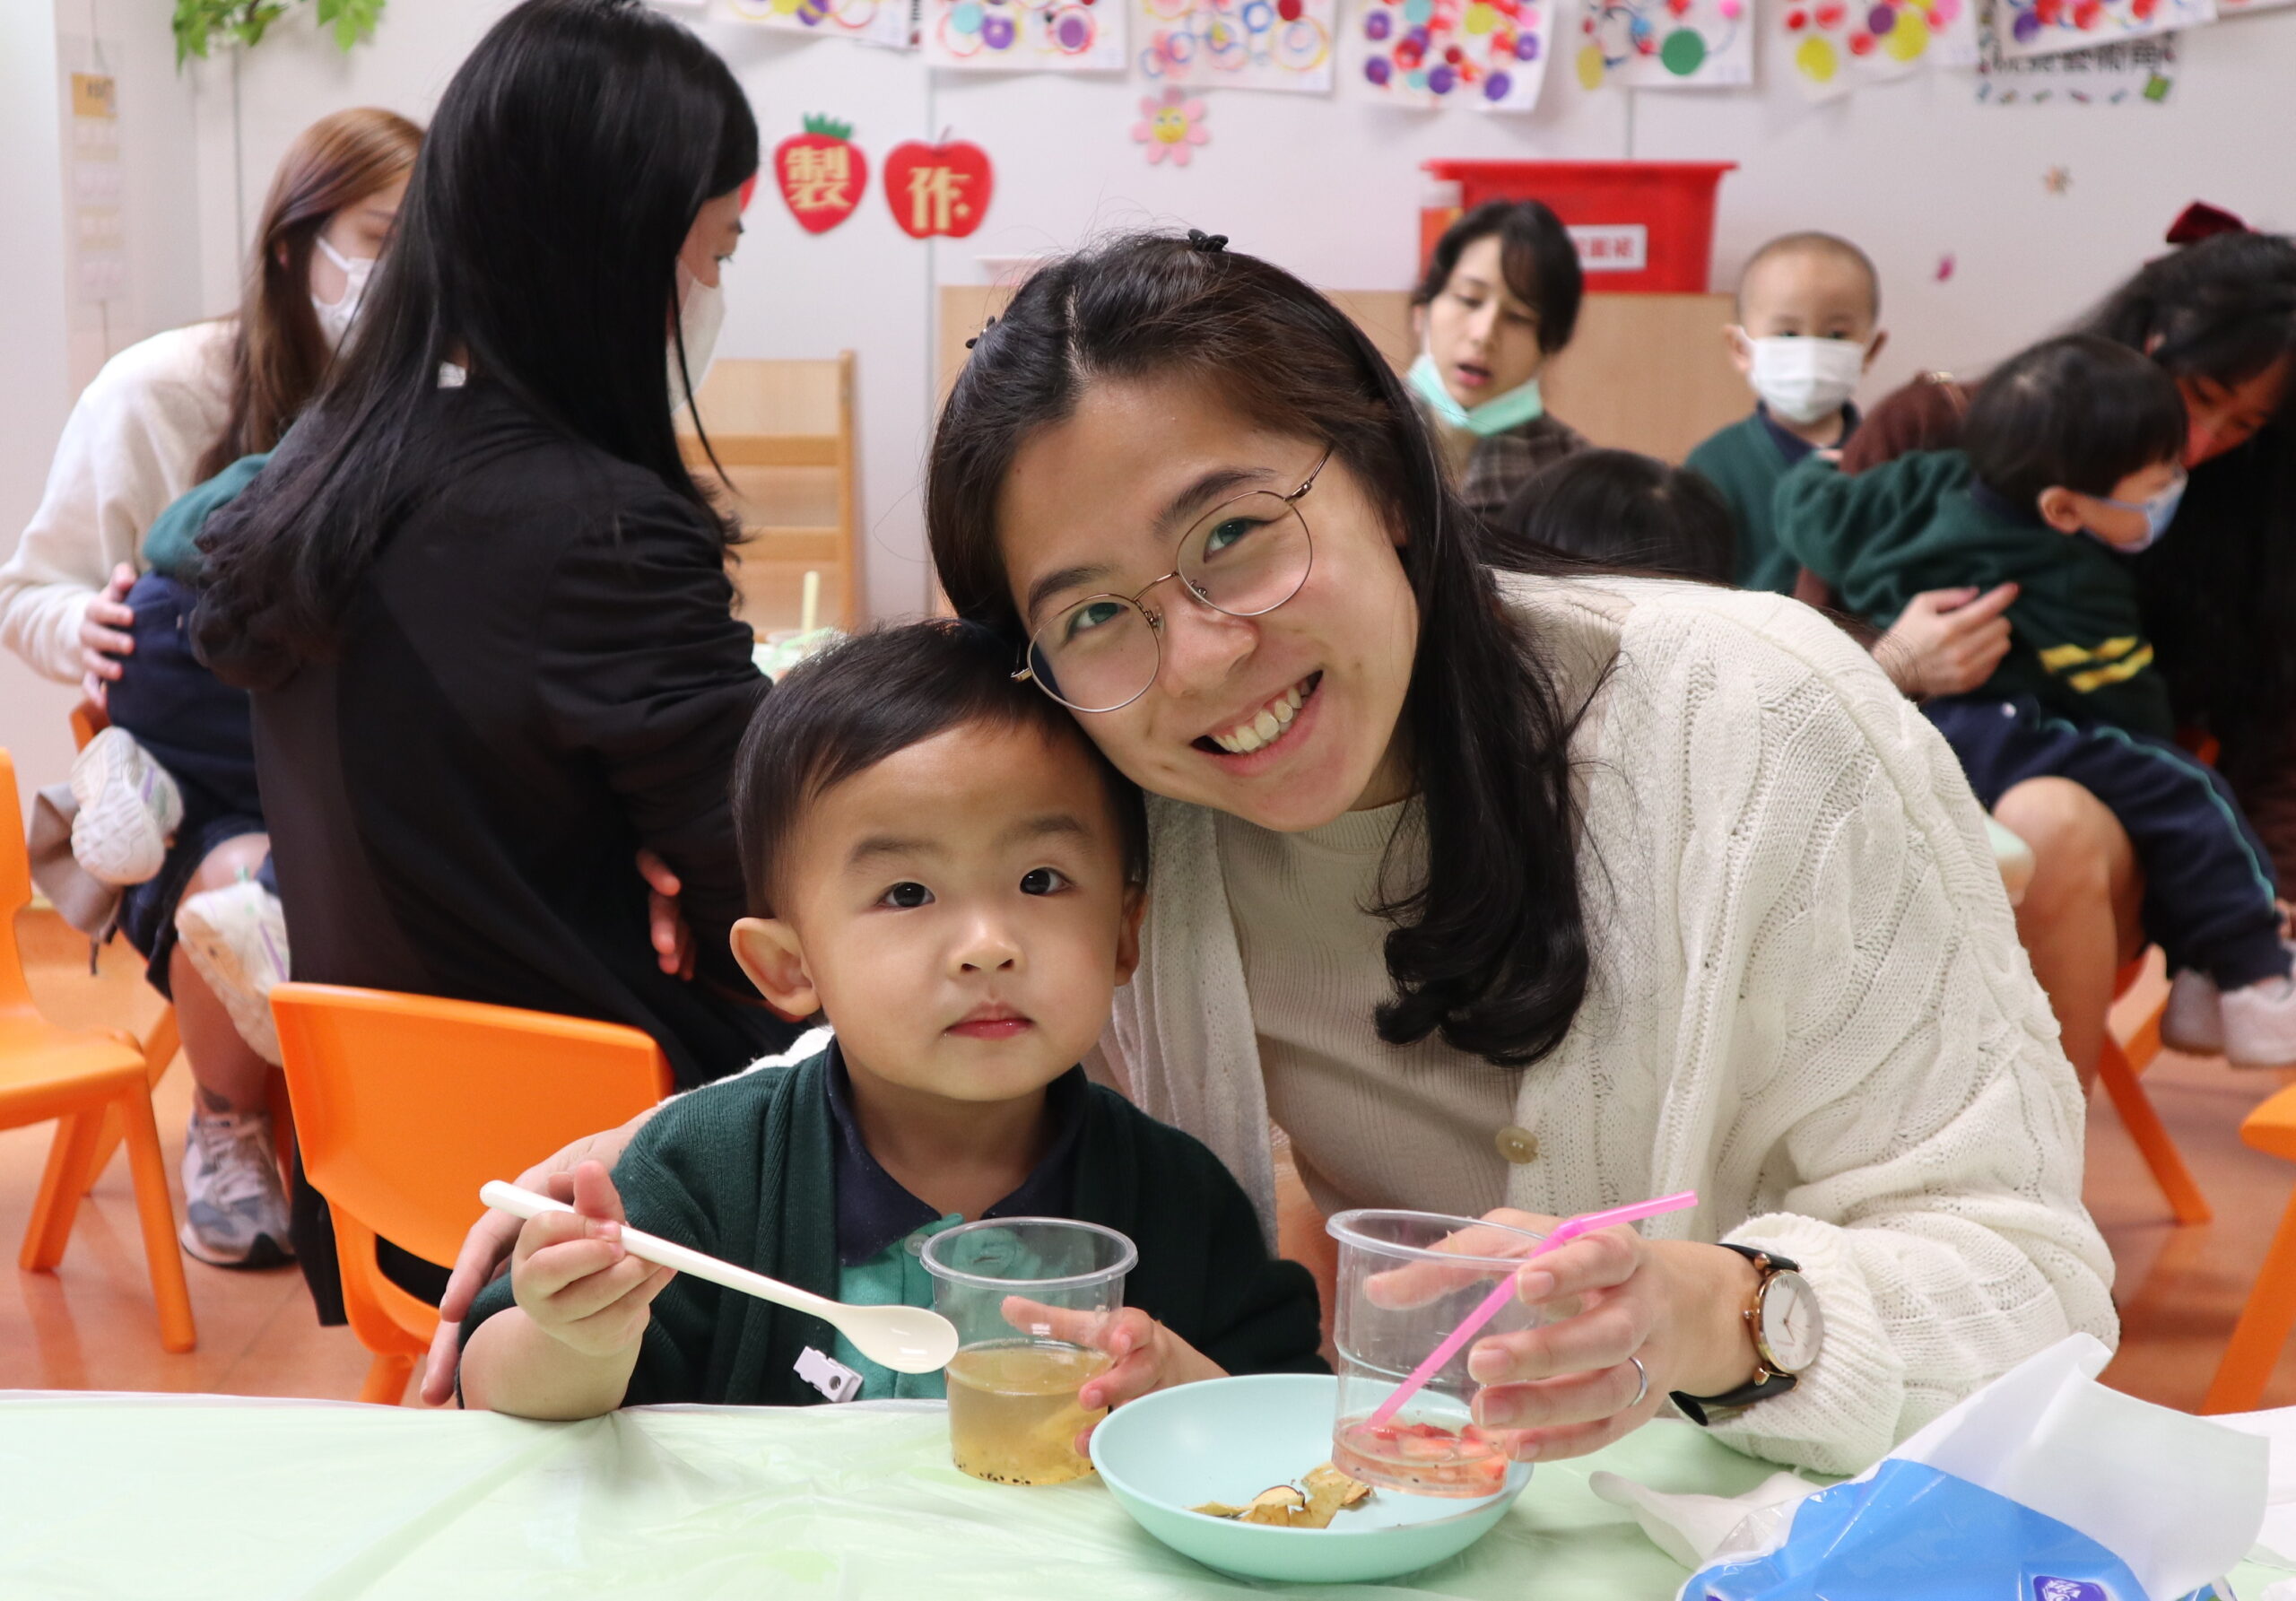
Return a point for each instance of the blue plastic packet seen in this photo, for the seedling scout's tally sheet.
(2042, 1486)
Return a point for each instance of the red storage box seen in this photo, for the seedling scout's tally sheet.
(1641, 227)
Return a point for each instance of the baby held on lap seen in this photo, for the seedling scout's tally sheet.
(944, 868)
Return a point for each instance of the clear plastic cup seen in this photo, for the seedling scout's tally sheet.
(1406, 1280)
(1025, 1294)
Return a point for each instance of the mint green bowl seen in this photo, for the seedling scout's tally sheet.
(1227, 1440)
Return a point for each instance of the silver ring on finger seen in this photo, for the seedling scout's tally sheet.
(1641, 1383)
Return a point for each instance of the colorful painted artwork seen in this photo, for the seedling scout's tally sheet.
(1490, 55)
(1171, 125)
(1236, 44)
(1045, 36)
(1836, 45)
(1666, 44)
(2027, 28)
(2134, 72)
(884, 22)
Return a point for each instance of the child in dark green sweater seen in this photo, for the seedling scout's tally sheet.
(2072, 461)
(948, 871)
(1809, 311)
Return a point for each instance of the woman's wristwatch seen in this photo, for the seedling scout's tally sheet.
(1787, 1330)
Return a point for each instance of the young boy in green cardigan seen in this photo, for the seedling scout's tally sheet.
(945, 868)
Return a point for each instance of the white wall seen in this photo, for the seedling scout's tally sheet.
(1328, 185)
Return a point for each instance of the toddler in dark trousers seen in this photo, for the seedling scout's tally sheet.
(2073, 462)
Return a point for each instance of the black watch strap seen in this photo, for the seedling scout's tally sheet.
(1764, 1383)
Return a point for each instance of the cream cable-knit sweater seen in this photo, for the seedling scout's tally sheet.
(1809, 1004)
(130, 447)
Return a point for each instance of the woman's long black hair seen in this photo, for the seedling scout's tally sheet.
(538, 243)
(1493, 952)
(2218, 593)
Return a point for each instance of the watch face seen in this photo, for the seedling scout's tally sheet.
(1792, 1328)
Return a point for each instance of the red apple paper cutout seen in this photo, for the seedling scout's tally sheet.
(821, 174)
(938, 189)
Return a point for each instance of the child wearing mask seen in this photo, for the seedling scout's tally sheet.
(1499, 301)
(2072, 463)
(1809, 311)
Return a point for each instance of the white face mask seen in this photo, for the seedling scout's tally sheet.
(1803, 379)
(336, 317)
(702, 312)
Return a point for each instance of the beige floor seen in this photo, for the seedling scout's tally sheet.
(90, 1324)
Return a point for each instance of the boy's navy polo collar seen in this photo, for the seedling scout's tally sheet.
(1993, 503)
(1792, 446)
(873, 1207)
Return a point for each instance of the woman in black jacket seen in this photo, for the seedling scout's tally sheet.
(481, 604)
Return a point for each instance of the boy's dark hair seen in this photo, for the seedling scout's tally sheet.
(1535, 252)
(1621, 509)
(862, 700)
(1811, 242)
(2078, 411)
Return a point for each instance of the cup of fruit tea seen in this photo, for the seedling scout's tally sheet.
(1406, 1279)
(1025, 1293)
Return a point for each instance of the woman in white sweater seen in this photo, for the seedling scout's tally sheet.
(160, 417)
(1524, 895)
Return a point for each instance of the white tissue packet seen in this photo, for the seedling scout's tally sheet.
(2042, 1486)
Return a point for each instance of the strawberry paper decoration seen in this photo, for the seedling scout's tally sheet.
(821, 174)
(938, 189)
(1172, 126)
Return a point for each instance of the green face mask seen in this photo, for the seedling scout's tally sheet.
(1519, 405)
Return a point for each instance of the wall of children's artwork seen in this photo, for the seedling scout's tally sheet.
(2002, 188)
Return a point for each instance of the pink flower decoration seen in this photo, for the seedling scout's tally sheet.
(1172, 125)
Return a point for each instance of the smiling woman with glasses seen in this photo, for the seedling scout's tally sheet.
(1501, 892)
(1244, 558)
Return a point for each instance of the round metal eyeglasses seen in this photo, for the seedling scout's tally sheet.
(1244, 558)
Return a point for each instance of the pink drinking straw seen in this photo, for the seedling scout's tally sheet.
(1570, 1228)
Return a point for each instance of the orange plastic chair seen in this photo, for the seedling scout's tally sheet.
(2253, 1349)
(78, 1077)
(405, 1104)
(2118, 1063)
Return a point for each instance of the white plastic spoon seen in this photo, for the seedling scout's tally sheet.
(906, 1339)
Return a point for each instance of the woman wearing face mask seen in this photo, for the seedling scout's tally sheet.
(484, 608)
(164, 415)
(2219, 314)
(1499, 300)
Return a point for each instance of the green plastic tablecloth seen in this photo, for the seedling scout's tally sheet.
(184, 1499)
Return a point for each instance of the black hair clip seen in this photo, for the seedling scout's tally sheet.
(1210, 244)
(977, 338)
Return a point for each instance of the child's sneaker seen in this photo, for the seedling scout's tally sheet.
(237, 938)
(2260, 1024)
(129, 809)
(2193, 1021)
(235, 1209)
